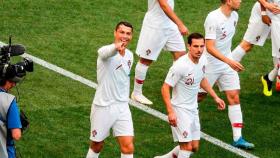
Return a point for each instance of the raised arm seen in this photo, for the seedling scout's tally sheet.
(110, 50)
(211, 48)
(172, 15)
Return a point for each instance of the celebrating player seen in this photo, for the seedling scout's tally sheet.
(110, 105)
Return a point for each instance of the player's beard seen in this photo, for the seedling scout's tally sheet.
(235, 9)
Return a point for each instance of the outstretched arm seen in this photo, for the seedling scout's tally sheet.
(207, 87)
(172, 15)
(210, 46)
(110, 50)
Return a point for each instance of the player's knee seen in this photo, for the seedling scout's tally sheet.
(146, 62)
(186, 146)
(201, 96)
(233, 99)
(195, 148)
(246, 46)
(127, 148)
(96, 146)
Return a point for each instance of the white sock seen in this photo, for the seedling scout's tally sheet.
(126, 155)
(238, 53)
(170, 154)
(272, 75)
(184, 154)
(140, 76)
(278, 67)
(235, 117)
(276, 71)
(92, 154)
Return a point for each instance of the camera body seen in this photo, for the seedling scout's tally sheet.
(13, 72)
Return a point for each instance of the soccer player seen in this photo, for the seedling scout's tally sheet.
(256, 33)
(219, 30)
(186, 76)
(275, 38)
(161, 28)
(110, 104)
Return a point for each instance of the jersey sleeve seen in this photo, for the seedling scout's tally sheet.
(173, 76)
(204, 62)
(13, 117)
(107, 51)
(210, 27)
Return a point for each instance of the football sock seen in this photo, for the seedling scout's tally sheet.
(235, 117)
(272, 74)
(238, 53)
(172, 153)
(184, 154)
(140, 75)
(126, 155)
(276, 70)
(92, 154)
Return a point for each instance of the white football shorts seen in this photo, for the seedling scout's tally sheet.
(116, 116)
(275, 38)
(226, 80)
(257, 32)
(188, 125)
(152, 41)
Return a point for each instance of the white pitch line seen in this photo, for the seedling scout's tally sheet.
(142, 107)
(137, 105)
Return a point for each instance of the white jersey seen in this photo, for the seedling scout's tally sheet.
(220, 28)
(185, 77)
(155, 16)
(113, 77)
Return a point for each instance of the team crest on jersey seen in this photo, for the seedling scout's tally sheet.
(129, 63)
(148, 51)
(189, 79)
(185, 134)
(258, 38)
(94, 133)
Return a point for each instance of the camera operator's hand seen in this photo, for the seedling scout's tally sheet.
(120, 46)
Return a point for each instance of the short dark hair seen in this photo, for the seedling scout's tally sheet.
(127, 24)
(2, 82)
(194, 36)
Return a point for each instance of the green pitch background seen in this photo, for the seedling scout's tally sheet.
(68, 33)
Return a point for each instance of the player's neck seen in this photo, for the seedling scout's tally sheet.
(226, 10)
(122, 53)
(194, 60)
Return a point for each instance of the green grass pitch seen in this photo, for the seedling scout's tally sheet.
(69, 32)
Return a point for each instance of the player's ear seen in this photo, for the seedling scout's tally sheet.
(115, 33)
(188, 46)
